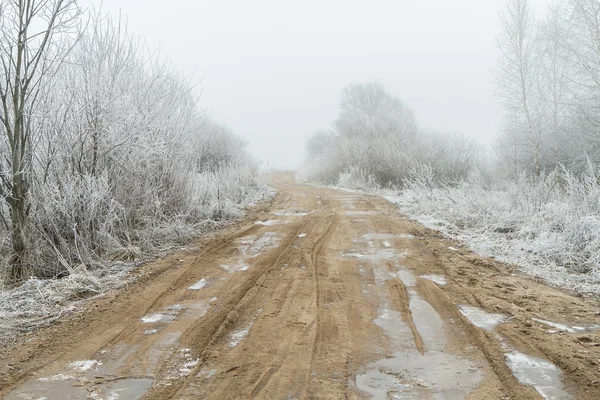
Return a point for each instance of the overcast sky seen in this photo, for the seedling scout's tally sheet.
(273, 70)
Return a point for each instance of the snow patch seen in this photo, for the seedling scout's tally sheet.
(84, 365)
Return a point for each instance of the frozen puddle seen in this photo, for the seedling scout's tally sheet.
(386, 236)
(199, 285)
(538, 373)
(170, 313)
(438, 279)
(412, 375)
(84, 365)
(376, 255)
(236, 268)
(362, 213)
(529, 371)
(236, 337)
(481, 318)
(87, 384)
(567, 328)
(408, 373)
(158, 317)
(291, 213)
(407, 277)
(253, 246)
(270, 222)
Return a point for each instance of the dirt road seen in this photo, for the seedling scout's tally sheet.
(329, 295)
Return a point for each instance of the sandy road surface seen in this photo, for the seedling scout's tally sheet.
(329, 295)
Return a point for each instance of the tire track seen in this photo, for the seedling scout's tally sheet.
(227, 318)
(400, 299)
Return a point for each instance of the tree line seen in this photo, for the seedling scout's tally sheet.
(104, 146)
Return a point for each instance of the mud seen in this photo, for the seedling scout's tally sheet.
(338, 296)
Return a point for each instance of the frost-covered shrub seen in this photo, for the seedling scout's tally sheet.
(122, 162)
(548, 225)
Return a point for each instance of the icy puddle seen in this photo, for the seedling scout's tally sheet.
(538, 373)
(101, 378)
(252, 246)
(437, 279)
(408, 373)
(386, 236)
(236, 337)
(242, 266)
(270, 222)
(544, 376)
(567, 328)
(362, 213)
(72, 389)
(84, 382)
(291, 213)
(376, 255)
(481, 318)
(201, 284)
(159, 317)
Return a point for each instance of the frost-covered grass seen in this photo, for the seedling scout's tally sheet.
(80, 264)
(40, 301)
(549, 227)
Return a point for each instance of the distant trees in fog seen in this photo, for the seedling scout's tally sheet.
(377, 139)
(548, 78)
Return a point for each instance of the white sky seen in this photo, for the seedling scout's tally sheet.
(273, 70)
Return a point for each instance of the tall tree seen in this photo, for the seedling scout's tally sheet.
(35, 36)
(517, 76)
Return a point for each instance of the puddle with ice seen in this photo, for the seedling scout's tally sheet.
(158, 317)
(386, 236)
(270, 222)
(376, 255)
(291, 213)
(407, 277)
(362, 213)
(302, 235)
(237, 336)
(538, 373)
(438, 279)
(428, 322)
(544, 376)
(242, 266)
(199, 285)
(408, 374)
(412, 375)
(84, 365)
(94, 378)
(79, 387)
(481, 318)
(253, 246)
(568, 328)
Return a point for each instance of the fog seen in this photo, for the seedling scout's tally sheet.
(273, 71)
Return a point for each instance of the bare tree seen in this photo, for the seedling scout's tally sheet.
(34, 39)
(517, 75)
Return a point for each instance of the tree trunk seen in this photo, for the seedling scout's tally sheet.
(18, 219)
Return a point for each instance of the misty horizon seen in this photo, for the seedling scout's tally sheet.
(274, 73)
